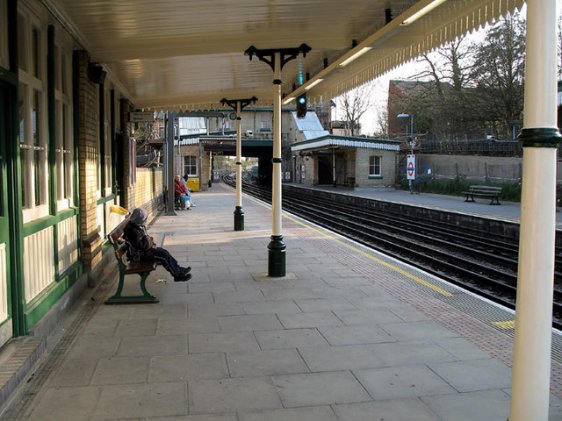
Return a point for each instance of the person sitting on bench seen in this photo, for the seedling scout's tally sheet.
(140, 246)
(180, 191)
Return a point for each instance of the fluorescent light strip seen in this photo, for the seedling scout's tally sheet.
(423, 11)
(355, 56)
(287, 100)
(313, 84)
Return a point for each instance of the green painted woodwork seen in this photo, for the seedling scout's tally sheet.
(14, 214)
(101, 132)
(51, 124)
(4, 197)
(543, 137)
(276, 257)
(12, 193)
(13, 37)
(105, 199)
(47, 221)
(41, 304)
(238, 219)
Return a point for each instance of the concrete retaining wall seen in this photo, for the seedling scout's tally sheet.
(493, 226)
(484, 168)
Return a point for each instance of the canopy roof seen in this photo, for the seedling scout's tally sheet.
(331, 141)
(188, 54)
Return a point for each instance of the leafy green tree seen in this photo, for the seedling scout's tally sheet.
(499, 71)
(469, 89)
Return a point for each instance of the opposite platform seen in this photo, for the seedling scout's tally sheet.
(348, 334)
(507, 211)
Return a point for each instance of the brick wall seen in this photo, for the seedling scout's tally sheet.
(147, 190)
(388, 169)
(88, 162)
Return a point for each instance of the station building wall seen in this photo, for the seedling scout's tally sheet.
(385, 176)
(67, 158)
(353, 168)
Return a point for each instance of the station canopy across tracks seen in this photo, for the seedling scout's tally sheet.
(182, 55)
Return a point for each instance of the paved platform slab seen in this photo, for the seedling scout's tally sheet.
(347, 335)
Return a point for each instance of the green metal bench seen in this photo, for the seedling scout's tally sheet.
(484, 191)
(142, 269)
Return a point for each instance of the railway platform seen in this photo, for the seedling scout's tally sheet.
(348, 334)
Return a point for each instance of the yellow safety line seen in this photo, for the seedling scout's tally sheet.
(508, 324)
(375, 259)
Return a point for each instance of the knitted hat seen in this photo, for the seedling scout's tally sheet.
(139, 216)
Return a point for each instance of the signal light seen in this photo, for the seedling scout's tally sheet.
(301, 106)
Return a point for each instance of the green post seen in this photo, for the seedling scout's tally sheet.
(238, 219)
(276, 257)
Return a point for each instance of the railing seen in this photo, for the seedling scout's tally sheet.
(483, 147)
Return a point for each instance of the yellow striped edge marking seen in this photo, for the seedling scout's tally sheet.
(508, 324)
(375, 259)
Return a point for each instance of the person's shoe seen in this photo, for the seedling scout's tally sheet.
(183, 277)
(186, 270)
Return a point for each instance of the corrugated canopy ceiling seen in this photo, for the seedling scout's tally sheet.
(189, 54)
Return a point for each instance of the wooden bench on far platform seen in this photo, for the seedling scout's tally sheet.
(484, 191)
(142, 269)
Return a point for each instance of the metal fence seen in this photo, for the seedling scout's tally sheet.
(508, 148)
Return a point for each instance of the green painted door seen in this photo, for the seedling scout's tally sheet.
(4, 220)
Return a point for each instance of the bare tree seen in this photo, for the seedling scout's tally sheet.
(382, 123)
(449, 71)
(451, 64)
(353, 104)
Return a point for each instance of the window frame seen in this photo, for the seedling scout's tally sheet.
(189, 165)
(107, 159)
(64, 139)
(375, 168)
(4, 48)
(34, 152)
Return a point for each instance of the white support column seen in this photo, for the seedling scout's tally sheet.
(533, 323)
(238, 212)
(276, 258)
(210, 182)
(276, 176)
(238, 156)
(169, 173)
(276, 59)
(238, 105)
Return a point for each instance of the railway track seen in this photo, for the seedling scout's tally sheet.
(473, 259)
